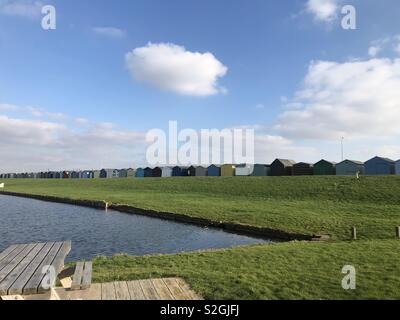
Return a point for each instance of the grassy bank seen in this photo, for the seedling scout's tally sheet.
(297, 270)
(294, 270)
(308, 205)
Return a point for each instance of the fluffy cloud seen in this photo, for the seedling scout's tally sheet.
(21, 8)
(374, 50)
(323, 10)
(35, 145)
(173, 68)
(111, 32)
(269, 147)
(358, 99)
(379, 45)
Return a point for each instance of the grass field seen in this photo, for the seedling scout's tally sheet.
(309, 205)
(295, 270)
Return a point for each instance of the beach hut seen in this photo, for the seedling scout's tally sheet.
(303, 169)
(397, 167)
(261, 170)
(325, 168)
(197, 171)
(192, 171)
(126, 173)
(96, 174)
(65, 175)
(228, 170)
(123, 173)
(282, 167)
(139, 173)
(176, 171)
(115, 173)
(214, 171)
(130, 173)
(109, 173)
(349, 168)
(148, 172)
(156, 172)
(201, 171)
(104, 173)
(74, 175)
(184, 171)
(87, 174)
(180, 171)
(166, 172)
(380, 166)
(244, 170)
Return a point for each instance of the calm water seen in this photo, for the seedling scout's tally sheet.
(96, 232)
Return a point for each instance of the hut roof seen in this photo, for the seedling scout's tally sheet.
(286, 162)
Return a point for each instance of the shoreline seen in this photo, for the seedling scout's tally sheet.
(252, 231)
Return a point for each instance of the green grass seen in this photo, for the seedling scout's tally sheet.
(295, 270)
(308, 205)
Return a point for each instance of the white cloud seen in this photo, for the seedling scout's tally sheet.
(8, 107)
(358, 99)
(82, 121)
(374, 50)
(379, 45)
(21, 8)
(269, 147)
(323, 10)
(111, 32)
(173, 68)
(397, 47)
(41, 113)
(37, 145)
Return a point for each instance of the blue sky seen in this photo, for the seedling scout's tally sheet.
(77, 79)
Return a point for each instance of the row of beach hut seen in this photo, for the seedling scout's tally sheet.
(280, 167)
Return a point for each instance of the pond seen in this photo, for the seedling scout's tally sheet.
(99, 233)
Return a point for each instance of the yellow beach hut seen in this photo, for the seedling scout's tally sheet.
(228, 170)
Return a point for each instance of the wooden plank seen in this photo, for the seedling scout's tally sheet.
(11, 298)
(91, 294)
(149, 291)
(77, 277)
(185, 287)
(58, 262)
(176, 290)
(136, 291)
(162, 290)
(122, 291)
(6, 252)
(11, 256)
(34, 282)
(108, 291)
(18, 286)
(19, 269)
(14, 262)
(87, 275)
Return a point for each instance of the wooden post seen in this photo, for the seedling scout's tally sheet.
(398, 232)
(354, 233)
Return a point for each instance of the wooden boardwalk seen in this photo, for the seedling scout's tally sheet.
(152, 289)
